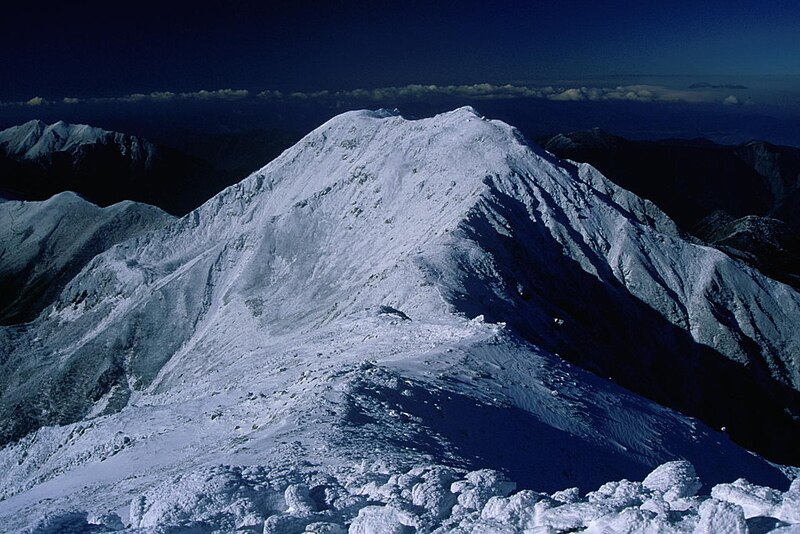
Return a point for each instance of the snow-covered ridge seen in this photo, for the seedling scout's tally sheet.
(343, 306)
(45, 244)
(37, 141)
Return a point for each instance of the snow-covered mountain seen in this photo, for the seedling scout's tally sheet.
(45, 244)
(39, 142)
(38, 160)
(381, 309)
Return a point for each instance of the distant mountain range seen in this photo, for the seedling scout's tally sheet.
(38, 160)
(744, 199)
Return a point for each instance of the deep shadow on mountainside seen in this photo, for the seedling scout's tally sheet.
(742, 199)
(602, 327)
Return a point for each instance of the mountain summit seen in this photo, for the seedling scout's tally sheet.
(385, 295)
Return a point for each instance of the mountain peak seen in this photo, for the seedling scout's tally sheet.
(495, 261)
(35, 124)
(37, 141)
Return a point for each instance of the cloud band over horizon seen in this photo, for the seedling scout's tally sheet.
(484, 91)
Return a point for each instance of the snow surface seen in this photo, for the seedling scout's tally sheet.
(45, 244)
(303, 353)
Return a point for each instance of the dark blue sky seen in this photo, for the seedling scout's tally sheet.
(103, 49)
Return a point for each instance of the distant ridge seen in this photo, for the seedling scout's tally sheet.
(38, 160)
(45, 244)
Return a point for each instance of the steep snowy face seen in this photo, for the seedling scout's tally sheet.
(45, 244)
(39, 142)
(700, 185)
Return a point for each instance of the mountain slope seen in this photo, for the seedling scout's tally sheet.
(45, 244)
(342, 307)
(705, 186)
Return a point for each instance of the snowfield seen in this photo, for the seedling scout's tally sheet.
(369, 335)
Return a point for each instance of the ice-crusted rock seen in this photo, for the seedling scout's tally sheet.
(572, 516)
(298, 500)
(431, 491)
(110, 520)
(673, 480)
(622, 494)
(228, 497)
(324, 527)
(517, 509)
(380, 519)
(256, 499)
(632, 520)
(754, 500)
(567, 496)
(480, 486)
(789, 509)
(719, 516)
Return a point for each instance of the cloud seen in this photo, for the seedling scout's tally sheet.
(164, 96)
(415, 91)
(203, 94)
(631, 93)
(219, 94)
(569, 95)
(156, 96)
(270, 95)
(699, 93)
(486, 91)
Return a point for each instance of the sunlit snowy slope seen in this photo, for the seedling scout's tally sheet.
(338, 339)
(45, 244)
